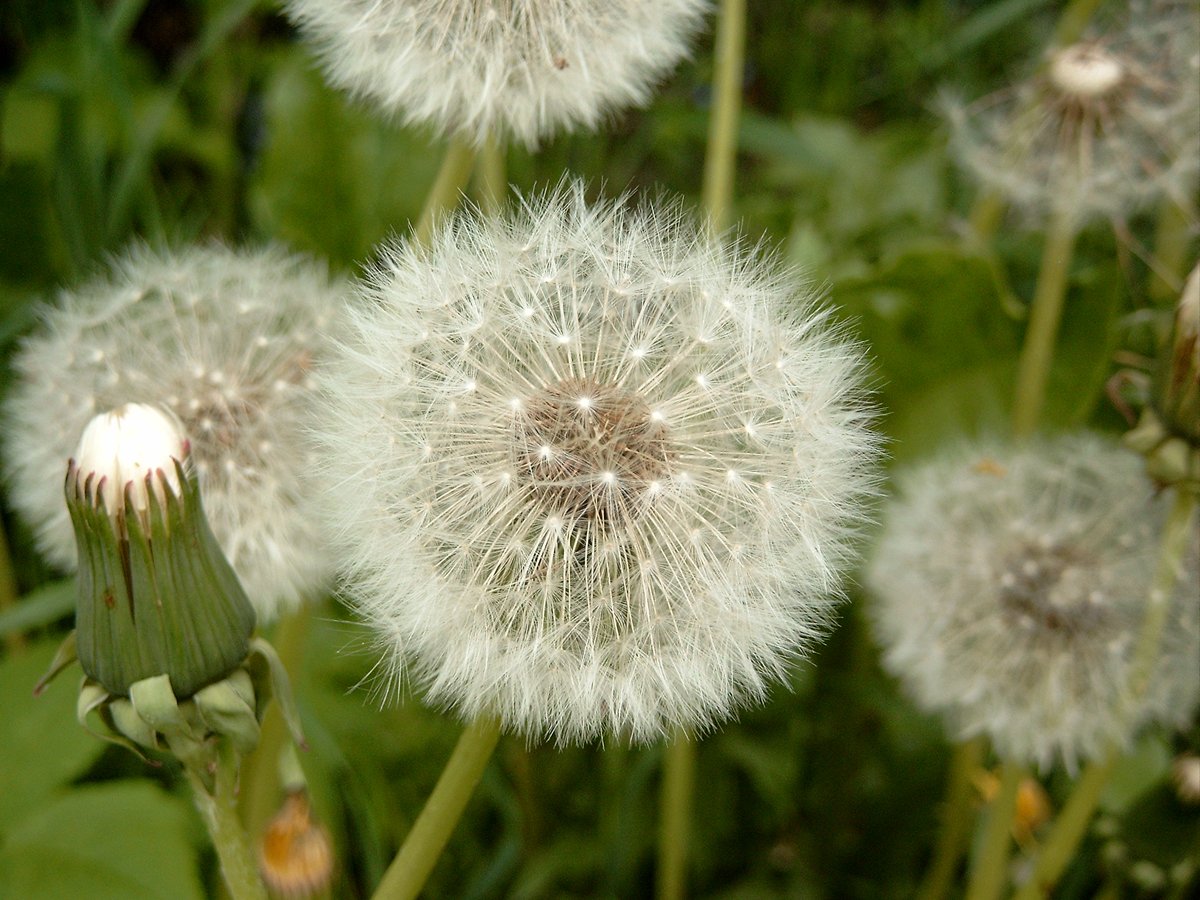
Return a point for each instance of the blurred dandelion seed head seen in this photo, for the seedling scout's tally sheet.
(524, 69)
(591, 470)
(1009, 596)
(1105, 127)
(226, 341)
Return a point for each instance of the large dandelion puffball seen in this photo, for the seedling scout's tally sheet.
(1105, 126)
(1011, 585)
(226, 340)
(518, 68)
(591, 471)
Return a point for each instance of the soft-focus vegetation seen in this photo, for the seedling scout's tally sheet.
(178, 120)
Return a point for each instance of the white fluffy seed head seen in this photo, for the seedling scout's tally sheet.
(226, 341)
(1010, 588)
(591, 471)
(519, 68)
(1105, 127)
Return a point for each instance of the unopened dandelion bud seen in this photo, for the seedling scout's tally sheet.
(156, 594)
(1168, 431)
(1185, 773)
(222, 340)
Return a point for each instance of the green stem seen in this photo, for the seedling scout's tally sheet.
(1069, 827)
(451, 178)
(491, 179)
(1074, 20)
(14, 640)
(1045, 313)
(679, 772)
(985, 216)
(721, 155)
(957, 816)
(1171, 240)
(219, 812)
(410, 869)
(1166, 575)
(260, 789)
(989, 873)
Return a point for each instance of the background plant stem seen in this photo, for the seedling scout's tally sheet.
(721, 157)
(260, 790)
(957, 815)
(720, 162)
(451, 178)
(491, 175)
(1045, 313)
(410, 869)
(989, 873)
(219, 812)
(679, 774)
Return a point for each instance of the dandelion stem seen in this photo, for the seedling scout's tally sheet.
(1171, 239)
(443, 196)
(985, 216)
(679, 771)
(990, 870)
(720, 162)
(410, 869)
(1072, 822)
(956, 820)
(1045, 313)
(1068, 829)
(218, 809)
(491, 179)
(14, 640)
(1074, 20)
(260, 788)
(721, 155)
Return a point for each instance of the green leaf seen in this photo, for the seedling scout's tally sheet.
(41, 745)
(39, 608)
(117, 840)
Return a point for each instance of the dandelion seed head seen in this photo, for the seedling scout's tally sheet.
(1104, 127)
(1010, 586)
(571, 553)
(223, 339)
(522, 68)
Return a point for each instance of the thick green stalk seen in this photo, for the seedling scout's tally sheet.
(957, 815)
(491, 176)
(451, 178)
(1071, 823)
(1045, 313)
(989, 873)
(721, 156)
(720, 162)
(1074, 20)
(410, 869)
(679, 773)
(260, 789)
(219, 812)
(1172, 237)
(14, 641)
(1068, 830)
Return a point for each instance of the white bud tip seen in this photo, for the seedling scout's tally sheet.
(1085, 71)
(124, 446)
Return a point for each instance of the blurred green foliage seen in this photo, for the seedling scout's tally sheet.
(179, 119)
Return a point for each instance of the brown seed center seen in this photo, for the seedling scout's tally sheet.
(590, 450)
